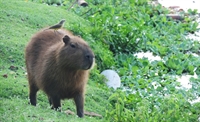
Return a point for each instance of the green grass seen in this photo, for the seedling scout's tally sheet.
(19, 20)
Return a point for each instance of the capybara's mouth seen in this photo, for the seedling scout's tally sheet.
(90, 64)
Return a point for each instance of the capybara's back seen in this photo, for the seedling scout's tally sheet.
(58, 63)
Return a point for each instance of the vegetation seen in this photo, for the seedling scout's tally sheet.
(115, 30)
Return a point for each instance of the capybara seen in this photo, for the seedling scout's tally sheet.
(58, 64)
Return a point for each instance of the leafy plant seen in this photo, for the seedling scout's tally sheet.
(119, 113)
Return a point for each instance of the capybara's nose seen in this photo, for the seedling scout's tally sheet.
(89, 57)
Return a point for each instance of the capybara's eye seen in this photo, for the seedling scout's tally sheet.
(73, 45)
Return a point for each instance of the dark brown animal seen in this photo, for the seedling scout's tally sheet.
(59, 65)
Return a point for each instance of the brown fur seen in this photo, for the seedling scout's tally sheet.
(58, 63)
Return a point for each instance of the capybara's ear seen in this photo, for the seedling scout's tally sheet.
(66, 39)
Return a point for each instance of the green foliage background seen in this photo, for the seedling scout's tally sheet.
(115, 31)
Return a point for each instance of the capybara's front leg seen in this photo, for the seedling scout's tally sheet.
(55, 100)
(50, 101)
(79, 101)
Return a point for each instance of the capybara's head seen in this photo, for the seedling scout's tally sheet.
(76, 54)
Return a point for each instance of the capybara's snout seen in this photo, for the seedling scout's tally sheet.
(89, 59)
